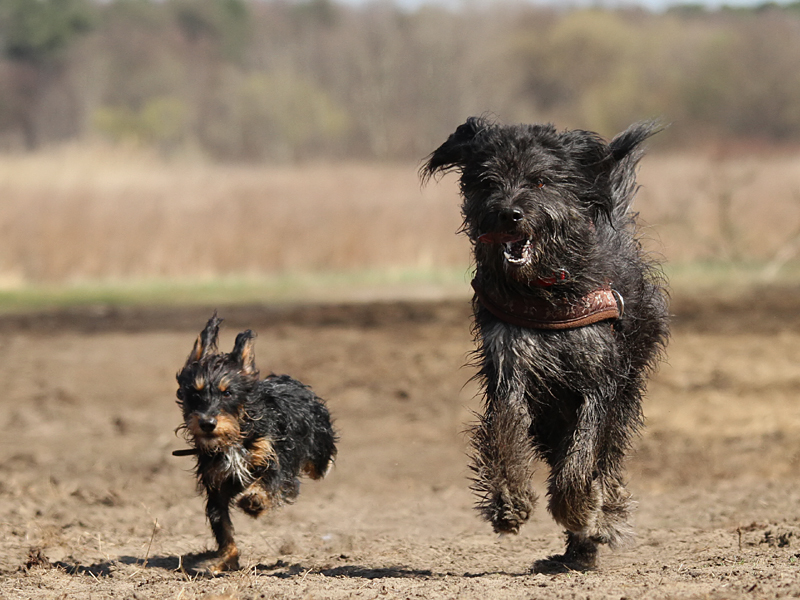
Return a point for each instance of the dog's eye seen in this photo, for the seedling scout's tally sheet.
(538, 183)
(226, 394)
(179, 394)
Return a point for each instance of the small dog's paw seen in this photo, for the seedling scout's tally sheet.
(255, 500)
(252, 504)
(224, 564)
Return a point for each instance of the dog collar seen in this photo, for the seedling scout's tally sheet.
(599, 305)
(556, 277)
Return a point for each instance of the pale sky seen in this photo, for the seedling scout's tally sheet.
(652, 4)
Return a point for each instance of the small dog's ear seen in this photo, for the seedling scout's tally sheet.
(244, 352)
(454, 153)
(206, 342)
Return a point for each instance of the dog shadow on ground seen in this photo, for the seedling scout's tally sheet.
(195, 565)
(283, 569)
(102, 569)
(191, 564)
(555, 565)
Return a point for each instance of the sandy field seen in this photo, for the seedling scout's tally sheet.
(93, 504)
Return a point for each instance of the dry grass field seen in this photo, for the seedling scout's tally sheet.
(81, 215)
(86, 214)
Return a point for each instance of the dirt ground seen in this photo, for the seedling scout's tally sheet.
(93, 504)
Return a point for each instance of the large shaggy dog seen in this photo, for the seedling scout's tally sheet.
(570, 315)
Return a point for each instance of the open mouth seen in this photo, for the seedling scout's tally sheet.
(517, 253)
(213, 444)
(205, 440)
(516, 246)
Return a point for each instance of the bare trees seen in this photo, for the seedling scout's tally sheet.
(285, 80)
(34, 37)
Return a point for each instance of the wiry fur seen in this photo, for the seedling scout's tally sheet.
(538, 202)
(253, 436)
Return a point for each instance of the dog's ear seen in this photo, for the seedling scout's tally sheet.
(243, 353)
(625, 152)
(455, 152)
(593, 157)
(206, 342)
(624, 144)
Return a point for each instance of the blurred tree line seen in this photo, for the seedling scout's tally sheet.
(291, 80)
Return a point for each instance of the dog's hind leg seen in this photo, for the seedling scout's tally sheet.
(502, 463)
(255, 500)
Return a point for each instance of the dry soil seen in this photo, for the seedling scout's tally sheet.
(93, 504)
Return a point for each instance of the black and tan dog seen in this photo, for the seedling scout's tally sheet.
(253, 437)
(570, 315)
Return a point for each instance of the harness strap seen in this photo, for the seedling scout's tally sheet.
(599, 305)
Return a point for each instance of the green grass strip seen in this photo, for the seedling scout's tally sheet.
(295, 287)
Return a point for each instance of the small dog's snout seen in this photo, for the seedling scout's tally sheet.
(207, 424)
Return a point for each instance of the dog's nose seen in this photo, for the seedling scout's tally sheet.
(510, 216)
(207, 424)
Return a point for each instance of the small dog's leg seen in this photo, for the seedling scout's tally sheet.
(218, 512)
(502, 464)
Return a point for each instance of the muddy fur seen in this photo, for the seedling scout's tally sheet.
(549, 216)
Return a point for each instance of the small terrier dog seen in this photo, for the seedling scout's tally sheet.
(252, 437)
(570, 315)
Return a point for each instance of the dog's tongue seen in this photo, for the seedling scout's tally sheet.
(499, 237)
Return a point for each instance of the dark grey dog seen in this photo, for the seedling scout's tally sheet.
(570, 316)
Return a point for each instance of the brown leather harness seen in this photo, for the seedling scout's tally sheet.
(599, 305)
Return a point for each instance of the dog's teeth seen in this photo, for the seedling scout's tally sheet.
(524, 252)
